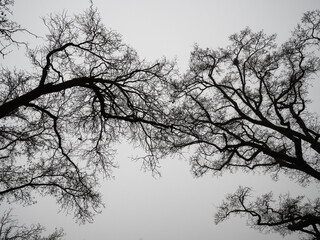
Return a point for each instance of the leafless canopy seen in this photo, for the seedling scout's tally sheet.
(86, 91)
(245, 107)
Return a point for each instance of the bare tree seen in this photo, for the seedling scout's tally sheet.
(87, 90)
(11, 230)
(245, 107)
(283, 216)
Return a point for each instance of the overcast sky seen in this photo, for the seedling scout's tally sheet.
(176, 206)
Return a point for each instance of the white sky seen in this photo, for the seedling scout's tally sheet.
(176, 206)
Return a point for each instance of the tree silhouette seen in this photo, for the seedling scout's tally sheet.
(87, 90)
(245, 107)
(289, 214)
(240, 107)
(11, 230)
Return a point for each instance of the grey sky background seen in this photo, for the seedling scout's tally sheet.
(176, 206)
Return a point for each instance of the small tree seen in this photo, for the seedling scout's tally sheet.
(245, 107)
(58, 121)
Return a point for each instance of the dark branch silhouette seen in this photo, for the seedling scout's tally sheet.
(11, 230)
(87, 91)
(291, 214)
(9, 28)
(245, 106)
